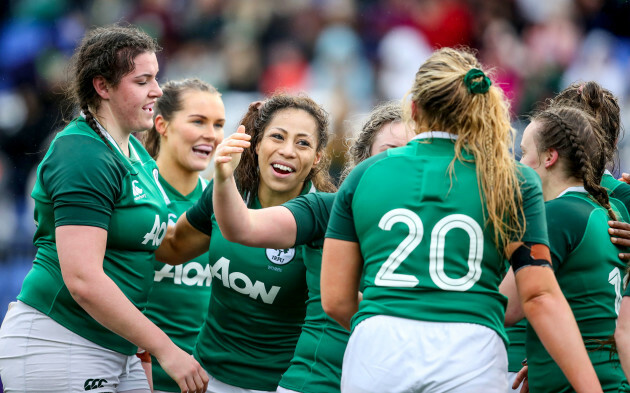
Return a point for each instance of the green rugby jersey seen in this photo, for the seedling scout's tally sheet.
(590, 275)
(616, 189)
(82, 181)
(516, 334)
(256, 309)
(316, 364)
(516, 349)
(423, 236)
(178, 301)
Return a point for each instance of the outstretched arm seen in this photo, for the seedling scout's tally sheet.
(182, 243)
(272, 227)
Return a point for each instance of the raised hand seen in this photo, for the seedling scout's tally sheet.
(228, 154)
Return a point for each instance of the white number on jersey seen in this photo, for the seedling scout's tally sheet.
(386, 275)
(614, 278)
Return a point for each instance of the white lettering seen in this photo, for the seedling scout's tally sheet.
(259, 290)
(192, 273)
(178, 275)
(247, 283)
(164, 272)
(200, 274)
(157, 232)
(241, 283)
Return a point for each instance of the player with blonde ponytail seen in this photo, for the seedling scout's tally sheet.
(429, 248)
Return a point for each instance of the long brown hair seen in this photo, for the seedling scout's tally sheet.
(482, 123)
(108, 52)
(579, 145)
(601, 104)
(256, 120)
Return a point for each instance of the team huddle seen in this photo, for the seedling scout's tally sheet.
(440, 264)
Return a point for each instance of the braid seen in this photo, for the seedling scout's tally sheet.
(89, 118)
(576, 147)
(586, 168)
(585, 155)
(487, 147)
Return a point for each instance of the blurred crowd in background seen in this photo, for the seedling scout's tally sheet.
(346, 54)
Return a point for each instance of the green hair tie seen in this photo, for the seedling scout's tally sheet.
(479, 87)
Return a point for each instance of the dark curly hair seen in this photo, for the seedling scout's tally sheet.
(256, 120)
(108, 52)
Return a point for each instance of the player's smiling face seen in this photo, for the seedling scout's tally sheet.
(194, 131)
(132, 100)
(530, 155)
(287, 151)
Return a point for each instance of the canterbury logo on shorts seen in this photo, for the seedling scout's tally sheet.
(94, 383)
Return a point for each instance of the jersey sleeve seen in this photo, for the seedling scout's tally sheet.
(83, 179)
(617, 189)
(622, 193)
(311, 213)
(533, 207)
(566, 223)
(341, 223)
(200, 214)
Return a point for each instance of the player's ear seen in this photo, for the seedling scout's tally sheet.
(550, 157)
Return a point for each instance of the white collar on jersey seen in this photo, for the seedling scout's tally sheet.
(111, 140)
(573, 189)
(435, 134)
(607, 172)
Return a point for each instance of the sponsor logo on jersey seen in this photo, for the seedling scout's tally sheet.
(91, 384)
(241, 283)
(138, 193)
(189, 274)
(157, 232)
(280, 256)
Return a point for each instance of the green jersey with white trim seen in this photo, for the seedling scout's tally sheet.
(82, 181)
(256, 309)
(517, 333)
(428, 254)
(590, 275)
(178, 301)
(316, 364)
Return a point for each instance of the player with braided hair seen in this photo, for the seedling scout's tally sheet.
(603, 106)
(431, 251)
(100, 215)
(561, 145)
